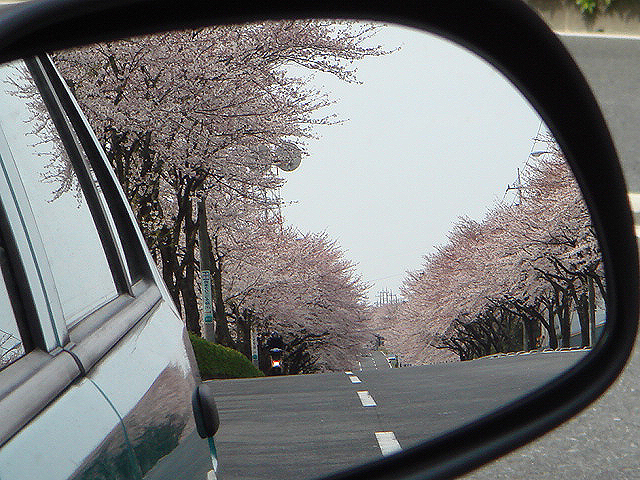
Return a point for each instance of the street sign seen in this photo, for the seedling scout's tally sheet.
(207, 306)
(254, 346)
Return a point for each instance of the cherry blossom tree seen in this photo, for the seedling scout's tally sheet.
(197, 116)
(503, 283)
(302, 287)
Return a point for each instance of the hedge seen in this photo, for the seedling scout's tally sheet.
(216, 361)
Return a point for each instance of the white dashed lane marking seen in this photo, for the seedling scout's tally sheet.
(366, 399)
(388, 443)
(349, 372)
(354, 379)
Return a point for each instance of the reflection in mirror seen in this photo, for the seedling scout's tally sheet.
(11, 344)
(30, 138)
(373, 197)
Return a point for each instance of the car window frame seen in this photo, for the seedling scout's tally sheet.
(129, 236)
(99, 213)
(8, 279)
(60, 353)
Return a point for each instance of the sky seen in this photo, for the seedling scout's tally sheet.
(433, 133)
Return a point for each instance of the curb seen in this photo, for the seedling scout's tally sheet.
(535, 352)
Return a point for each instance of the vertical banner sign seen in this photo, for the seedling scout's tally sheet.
(254, 346)
(206, 297)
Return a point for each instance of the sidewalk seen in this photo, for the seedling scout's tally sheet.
(564, 16)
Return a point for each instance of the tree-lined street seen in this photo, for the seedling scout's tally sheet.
(190, 119)
(199, 126)
(510, 281)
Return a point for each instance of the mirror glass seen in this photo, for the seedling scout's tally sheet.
(384, 209)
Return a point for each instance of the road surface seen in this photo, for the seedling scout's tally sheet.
(305, 426)
(612, 68)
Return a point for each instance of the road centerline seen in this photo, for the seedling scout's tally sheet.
(366, 399)
(354, 379)
(388, 443)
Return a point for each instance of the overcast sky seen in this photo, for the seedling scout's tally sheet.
(433, 133)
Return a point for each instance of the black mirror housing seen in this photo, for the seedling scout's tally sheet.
(510, 36)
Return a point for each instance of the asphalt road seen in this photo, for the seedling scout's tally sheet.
(308, 425)
(601, 443)
(612, 68)
(373, 361)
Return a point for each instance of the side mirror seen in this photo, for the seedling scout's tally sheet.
(205, 411)
(518, 43)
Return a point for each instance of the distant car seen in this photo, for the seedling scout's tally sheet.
(393, 361)
(96, 369)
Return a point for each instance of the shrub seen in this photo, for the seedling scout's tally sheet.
(216, 361)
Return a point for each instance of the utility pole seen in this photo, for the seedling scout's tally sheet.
(592, 313)
(205, 273)
(387, 297)
(518, 186)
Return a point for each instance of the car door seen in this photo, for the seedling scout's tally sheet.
(102, 388)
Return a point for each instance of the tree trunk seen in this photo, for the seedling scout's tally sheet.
(592, 313)
(565, 322)
(188, 281)
(189, 298)
(553, 336)
(223, 337)
(170, 269)
(244, 322)
(529, 335)
(583, 317)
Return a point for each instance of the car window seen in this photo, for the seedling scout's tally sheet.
(73, 247)
(11, 344)
(132, 260)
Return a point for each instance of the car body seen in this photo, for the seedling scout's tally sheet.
(98, 372)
